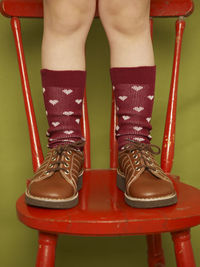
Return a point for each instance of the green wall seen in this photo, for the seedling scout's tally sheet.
(18, 243)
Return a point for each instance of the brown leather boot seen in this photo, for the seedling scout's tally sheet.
(57, 181)
(141, 178)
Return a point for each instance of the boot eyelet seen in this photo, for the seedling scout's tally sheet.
(137, 168)
(67, 158)
(66, 164)
(69, 152)
(135, 156)
(136, 162)
(67, 172)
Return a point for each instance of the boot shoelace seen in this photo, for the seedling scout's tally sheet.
(59, 151)
(143, 153)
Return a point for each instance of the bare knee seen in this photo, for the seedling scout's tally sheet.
(128, 17)
(66, 17)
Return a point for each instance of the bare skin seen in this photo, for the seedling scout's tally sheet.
(127, 27)
(66, 26)
(67, 23)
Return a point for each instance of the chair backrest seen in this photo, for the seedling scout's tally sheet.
(34, 8)
(159, 8)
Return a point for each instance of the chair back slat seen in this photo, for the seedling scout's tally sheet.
(170, 123)
(113, 141)
(86, 133)
(37, 155)
(34, 8)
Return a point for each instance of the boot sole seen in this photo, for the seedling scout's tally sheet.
(145, 203)
(55, 203)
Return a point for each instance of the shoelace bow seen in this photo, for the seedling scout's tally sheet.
(59, 152)
(141, 148)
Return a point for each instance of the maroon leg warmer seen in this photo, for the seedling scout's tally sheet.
(134, 94)
(63, 95)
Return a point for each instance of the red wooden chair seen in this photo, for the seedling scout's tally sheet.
(101, 210)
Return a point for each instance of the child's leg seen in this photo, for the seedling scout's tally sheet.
(127, 27)
(132, 65)
(133, 77)
(66, 25)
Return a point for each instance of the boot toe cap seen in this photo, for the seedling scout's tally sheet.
(54, 187)
(149, 186)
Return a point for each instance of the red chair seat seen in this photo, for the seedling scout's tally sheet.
(102, 211)
(33, 8)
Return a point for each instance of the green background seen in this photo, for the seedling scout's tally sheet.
(18, 244)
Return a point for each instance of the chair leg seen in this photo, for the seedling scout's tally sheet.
(183, 248)
(155, 251)
(46, 250)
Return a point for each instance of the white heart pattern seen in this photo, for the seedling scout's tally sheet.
(67, 91)
(117, 128)
(68, 132)
(68, 113)
(125, 118)
(78, 101)
(150, 137)
(148, 119)
(55, 124)
(137, 88)
(123, 98)
(138, 109)
(43, 89)
(53, 102)
(150, 97)
(77, 121)
(139, 139)
(137, 128)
